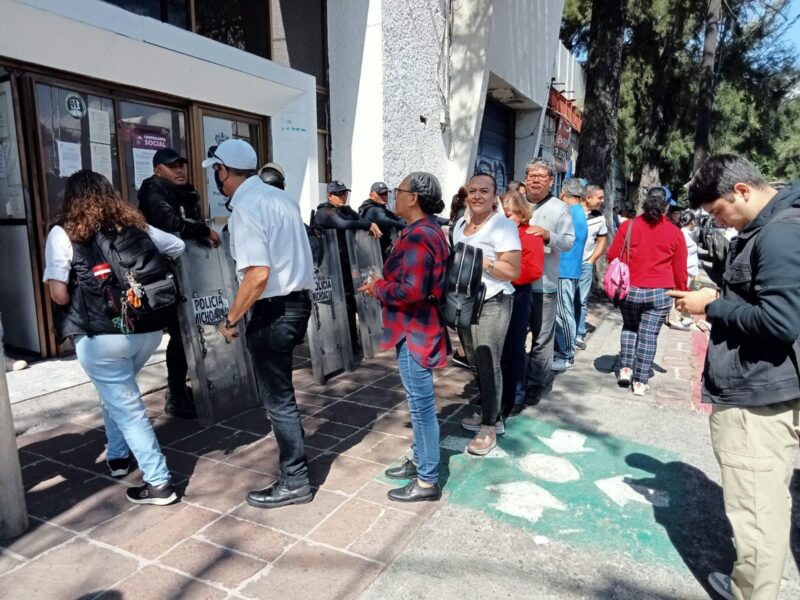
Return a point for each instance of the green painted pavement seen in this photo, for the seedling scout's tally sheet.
(566, 504)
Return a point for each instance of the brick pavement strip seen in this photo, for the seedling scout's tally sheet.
(86, 538)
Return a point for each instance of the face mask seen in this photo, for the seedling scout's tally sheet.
(219, 182)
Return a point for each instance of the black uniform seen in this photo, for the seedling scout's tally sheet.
(174, 209)
(383, 218)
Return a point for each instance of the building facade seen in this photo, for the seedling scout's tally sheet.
(357, 90)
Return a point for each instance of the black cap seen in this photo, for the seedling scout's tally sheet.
(336, 186)
(167, 156)
(379, 188)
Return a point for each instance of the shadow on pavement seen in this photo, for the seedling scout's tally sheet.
(694, 519)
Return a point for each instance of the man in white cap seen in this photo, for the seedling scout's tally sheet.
(274, 267)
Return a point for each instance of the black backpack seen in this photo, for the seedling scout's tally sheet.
(464, 288)
(140, 277)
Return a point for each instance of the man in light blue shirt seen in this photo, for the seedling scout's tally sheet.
(571, 266)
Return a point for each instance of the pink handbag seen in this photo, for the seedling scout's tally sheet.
(617, 279)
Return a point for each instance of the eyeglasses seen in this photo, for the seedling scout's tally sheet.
(537, 177)
(398, 190)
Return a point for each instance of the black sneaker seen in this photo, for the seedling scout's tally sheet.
(180, 404)
(120, 467)
(160, 495)
(460, 360)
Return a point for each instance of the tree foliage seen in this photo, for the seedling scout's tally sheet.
(757, 103)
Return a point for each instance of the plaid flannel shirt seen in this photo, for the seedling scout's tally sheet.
(414, 271)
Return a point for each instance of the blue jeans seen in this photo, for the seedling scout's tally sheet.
(418, 383)
(513, 363)
(582, 302)
(111, 362)
(565, 319)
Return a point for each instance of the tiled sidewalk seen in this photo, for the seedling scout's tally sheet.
(85, 540)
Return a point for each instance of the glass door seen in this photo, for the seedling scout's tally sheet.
(19, 300)
(216, 129)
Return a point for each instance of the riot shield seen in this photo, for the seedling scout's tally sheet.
(365, 258)
(328, 332)
(222, 375)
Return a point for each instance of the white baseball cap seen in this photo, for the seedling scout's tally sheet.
(236, 154)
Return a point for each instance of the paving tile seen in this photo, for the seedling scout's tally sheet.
(59, 439)
(302, 377)
(308, 410)
(170, 429)
(315, 400)
(47, 469)
(351, 519)
(27, 458)
(333, 389)
(222, 487)
(351, 414)
(334, 575)
(359, 443)
(55, 576)
(364, 375)
(37, 538)
(90, 504)
(212, 563)
(185, 464)
(262, 457)
(390, 381)
(339, 473)
(254, 420)
(394, 423)
(296, 519)
(388, 535)
(380, 398)
(388, 450)
(7, 563)
(156, 584)
(313, 425)
(244, 536)
(216, 442)
(91, 456)
(149, 531)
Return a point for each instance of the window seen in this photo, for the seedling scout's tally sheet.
(77, 132)
(145, 128)
(174, 12)
(243, 24)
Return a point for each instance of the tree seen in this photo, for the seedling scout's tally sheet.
(598, 141)
(705, 101)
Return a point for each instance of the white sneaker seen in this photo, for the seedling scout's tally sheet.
(640, 389)
(722, 585)
(624, 377)
(14, 365)
(561, 364)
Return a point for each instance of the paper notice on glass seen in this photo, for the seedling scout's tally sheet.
(101, 160)
(142, 165)
(69, 158)
(99, 128)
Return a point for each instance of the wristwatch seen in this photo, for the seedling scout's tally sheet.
(490, 268)
(228, 324)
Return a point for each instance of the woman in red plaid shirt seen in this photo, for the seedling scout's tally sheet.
(414, 273)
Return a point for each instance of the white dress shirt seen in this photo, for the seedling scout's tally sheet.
(267, 231)
(58, 251)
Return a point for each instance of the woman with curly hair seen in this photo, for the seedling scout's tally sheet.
(75, 273)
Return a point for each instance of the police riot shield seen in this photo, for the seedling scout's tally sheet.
(365, 258)
(328, 331)
(222, 375)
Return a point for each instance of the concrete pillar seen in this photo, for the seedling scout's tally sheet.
(13, 513)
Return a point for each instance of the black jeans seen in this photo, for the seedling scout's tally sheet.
(276, 326)
(176, 357)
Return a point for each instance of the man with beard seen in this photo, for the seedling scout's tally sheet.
(170, 203)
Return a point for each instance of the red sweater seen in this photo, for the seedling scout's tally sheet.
(658, 254)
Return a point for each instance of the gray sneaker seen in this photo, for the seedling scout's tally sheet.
(722, 585)
(484, 441)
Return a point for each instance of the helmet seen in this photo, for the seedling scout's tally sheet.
(272, 174)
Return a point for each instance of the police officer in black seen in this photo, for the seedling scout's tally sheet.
(336, 214)
(374, 210)
(170, 203)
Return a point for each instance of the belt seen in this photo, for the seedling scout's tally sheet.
(296, 295)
